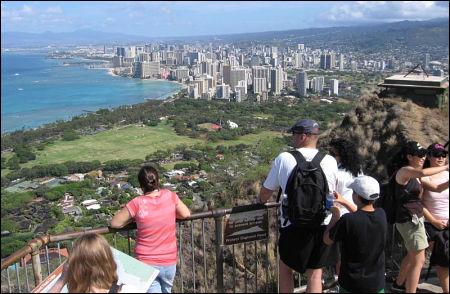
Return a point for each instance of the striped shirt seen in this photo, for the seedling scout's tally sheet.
(156, 224)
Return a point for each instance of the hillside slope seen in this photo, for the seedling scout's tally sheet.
(380, 126)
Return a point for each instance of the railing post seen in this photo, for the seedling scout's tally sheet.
(36, 260)
(219, 253)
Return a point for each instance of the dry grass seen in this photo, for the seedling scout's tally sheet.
(379, 126)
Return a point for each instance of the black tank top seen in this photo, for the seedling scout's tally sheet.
(410, 204)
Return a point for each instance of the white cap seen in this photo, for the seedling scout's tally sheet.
(366, 187)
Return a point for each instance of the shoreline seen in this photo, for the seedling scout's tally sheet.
(112, 73)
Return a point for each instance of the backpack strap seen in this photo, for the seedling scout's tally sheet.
(298, 156)
(300, 159)
(318, 159)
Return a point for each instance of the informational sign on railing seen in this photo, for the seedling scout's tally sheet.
(246, 226)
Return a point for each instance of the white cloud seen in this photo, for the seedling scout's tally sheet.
(27, 10)
(55, 9)
(371, 11)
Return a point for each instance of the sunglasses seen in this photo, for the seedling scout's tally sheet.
(420, 153)
(437, 154)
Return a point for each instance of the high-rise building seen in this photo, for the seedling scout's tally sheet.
(146, 70)
(317, 84)
(341, 61)
(354, 65)
(323, 61)
(226, 74)
(223, 91)
(334, 86)
(301, 47)
(237, 75)
(259, 85)
(262, 72)
(302, 83)
(426, 60)
(331, 61)
(276, 81)
(298, 62)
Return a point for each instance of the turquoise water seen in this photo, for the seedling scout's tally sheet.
(36, 90)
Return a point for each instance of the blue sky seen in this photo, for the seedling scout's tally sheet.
(190, 18)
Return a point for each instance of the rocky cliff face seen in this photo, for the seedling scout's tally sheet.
(380, 126)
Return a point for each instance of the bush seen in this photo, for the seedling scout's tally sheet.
(187, 201)
(70, 135)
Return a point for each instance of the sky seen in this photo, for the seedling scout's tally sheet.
(194, 18)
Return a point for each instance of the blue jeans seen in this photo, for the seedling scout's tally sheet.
(164, 281)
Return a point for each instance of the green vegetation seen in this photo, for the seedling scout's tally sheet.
(129, 142)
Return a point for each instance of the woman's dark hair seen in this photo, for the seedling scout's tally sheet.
(400, 159)
(350, 158)
(148, 179)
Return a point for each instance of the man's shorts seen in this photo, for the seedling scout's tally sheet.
(413, 235)
(303, 249)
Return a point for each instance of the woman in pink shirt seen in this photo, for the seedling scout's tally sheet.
(436, 203)
(155, 215)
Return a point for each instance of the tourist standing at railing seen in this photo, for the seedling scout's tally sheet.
(91, 268)
(362, 235)
(301, 249)
(408, 164)
(436, 205)
(155, 214)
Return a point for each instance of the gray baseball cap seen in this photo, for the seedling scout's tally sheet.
(366, 187)
(305, 126)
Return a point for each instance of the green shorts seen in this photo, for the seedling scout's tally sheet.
(413, 235)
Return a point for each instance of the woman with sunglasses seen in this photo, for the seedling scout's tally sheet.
(410, 216)
(436, 203)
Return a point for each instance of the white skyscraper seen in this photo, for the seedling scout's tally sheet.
(259, 85)
(341, 62)
(334, 86)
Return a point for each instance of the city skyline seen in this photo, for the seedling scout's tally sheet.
(173, 18)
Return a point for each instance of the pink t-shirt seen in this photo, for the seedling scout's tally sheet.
(156, 224)
(437, 203)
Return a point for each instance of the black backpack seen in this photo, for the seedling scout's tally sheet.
(388, 199)
(306, 190)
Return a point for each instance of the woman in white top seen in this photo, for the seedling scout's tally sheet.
(349, 167)
(436, 203)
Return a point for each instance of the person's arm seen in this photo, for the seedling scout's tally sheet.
(437, 223)
(408, 172)
(341, 200)
(182, 210)
(335, 215)
(433, 187)
(121, 218)
(264, 195)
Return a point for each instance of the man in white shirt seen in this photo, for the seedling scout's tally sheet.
(301, 249)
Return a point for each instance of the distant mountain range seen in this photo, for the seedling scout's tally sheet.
(368, 37)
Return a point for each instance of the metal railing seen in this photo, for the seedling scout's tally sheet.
(204, 263)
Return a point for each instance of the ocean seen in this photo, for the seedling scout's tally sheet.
(36, 90)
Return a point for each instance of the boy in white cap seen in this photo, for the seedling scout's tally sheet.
(363, 238)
